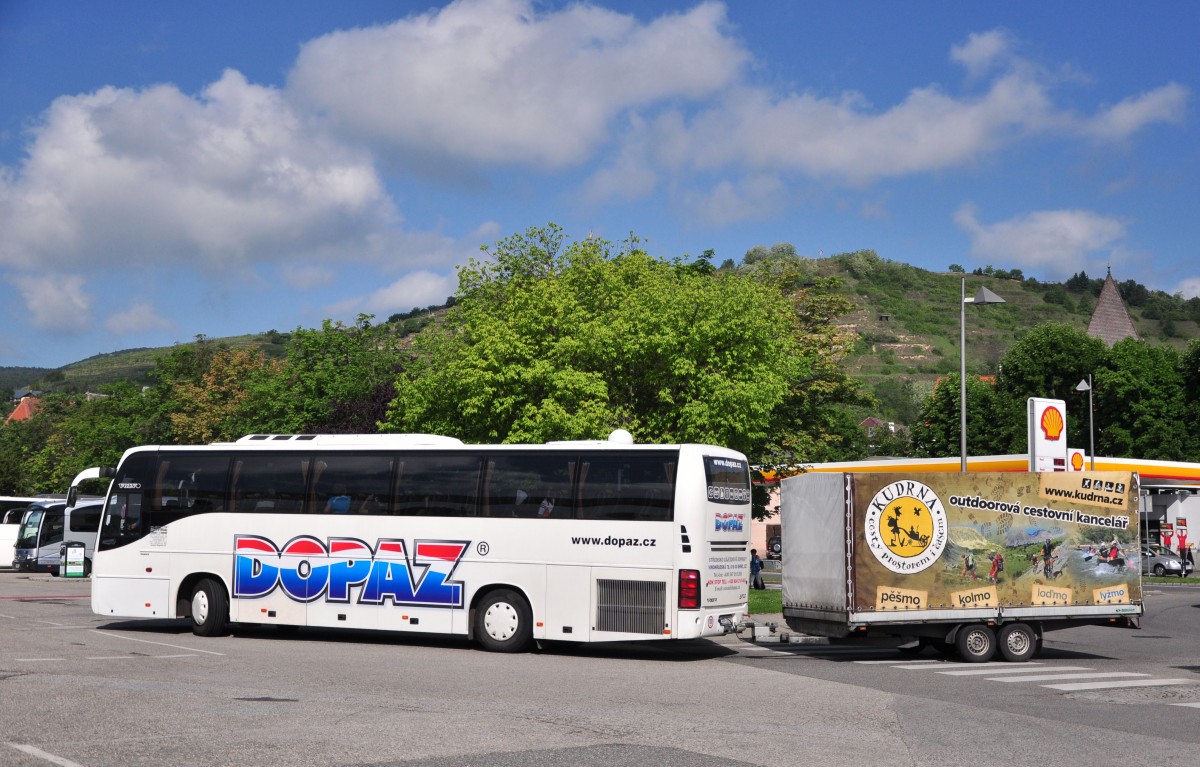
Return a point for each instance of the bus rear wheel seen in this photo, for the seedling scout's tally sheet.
(504, 622)
(210, 608)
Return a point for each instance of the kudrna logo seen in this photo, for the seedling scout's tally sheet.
(906, 527)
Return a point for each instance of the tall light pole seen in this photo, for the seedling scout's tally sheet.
(984, 296)
(1087, 387)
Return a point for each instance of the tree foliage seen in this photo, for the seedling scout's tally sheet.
(937, 433)
(557, 340)
(1140, 403)
(1049, 362)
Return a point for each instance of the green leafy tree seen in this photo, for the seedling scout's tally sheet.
(898, 400)
(222, 405)
(556, 340)
(1189, 367)
(1049, 361)
(936, 434)
(328, 372)
(1141, 407)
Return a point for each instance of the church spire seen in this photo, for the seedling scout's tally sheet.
(1110, 321)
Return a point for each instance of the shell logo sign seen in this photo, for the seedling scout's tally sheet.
(1077, 460)
(1047, 434)
(1052, 423)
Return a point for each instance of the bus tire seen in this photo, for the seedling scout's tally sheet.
(976, 643)
(1017, 642)
(503, 622)
(210, 608)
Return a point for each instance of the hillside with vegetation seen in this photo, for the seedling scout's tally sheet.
(904, 326)
(779, 356)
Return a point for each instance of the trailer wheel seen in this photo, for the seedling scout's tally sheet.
(975, 643)
(1017, 642)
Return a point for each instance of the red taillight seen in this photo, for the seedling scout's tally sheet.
(689, 589)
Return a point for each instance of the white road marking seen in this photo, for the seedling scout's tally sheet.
(1110, 685)
(1052, 677)
(949, 665)
(40, 754)
(1023, 669)
(164, 644)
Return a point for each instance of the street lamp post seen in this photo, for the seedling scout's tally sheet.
(984, 296)
(1087, 387)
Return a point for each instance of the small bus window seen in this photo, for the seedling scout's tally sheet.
(351, 484)
(637, 486)
(437, 485)
(270, 483)
(530, 485)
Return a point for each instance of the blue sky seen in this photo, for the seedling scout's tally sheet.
(175, 169)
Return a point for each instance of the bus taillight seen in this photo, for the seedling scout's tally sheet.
(689, 589)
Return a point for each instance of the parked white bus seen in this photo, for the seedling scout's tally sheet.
(12, 511)
(507, 544)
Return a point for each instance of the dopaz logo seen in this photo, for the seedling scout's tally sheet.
(905, 526)
(306, 569)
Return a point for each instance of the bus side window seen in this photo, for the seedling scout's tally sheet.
(631, 487)
(54, 528)
(346, 483)
(189, 483)
(535, 485)
(437, 485)
(271, 483)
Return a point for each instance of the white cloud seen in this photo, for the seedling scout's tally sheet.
(1055, 242)
(1189, 287)
(137, 319)
(844, 138)
(841, 138)
(422, 288)
(982, 51)
(122, 177)
(754, 198)
(56, 302)
(501, 82)
(1167, 104)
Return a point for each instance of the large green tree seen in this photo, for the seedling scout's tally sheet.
(1140, 405)
(551, 339)
(1049, 361)
(937, 431)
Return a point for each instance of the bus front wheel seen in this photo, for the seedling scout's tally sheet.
(210, 608)
(504, 622)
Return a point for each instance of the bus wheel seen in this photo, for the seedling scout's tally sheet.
(503, 622)
(1017, 642)
(975, 643)
(210, 609)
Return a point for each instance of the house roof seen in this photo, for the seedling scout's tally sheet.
(24, 410)
(1110, 321)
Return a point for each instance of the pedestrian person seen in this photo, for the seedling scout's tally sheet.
(1185, 558)
(756, 566)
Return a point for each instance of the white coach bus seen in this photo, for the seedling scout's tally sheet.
(507, 544)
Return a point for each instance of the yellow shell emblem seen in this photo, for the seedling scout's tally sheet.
(1052, 423)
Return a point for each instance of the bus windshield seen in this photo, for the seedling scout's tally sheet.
(27, 537)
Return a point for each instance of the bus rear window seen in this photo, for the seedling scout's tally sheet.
(728, 480)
